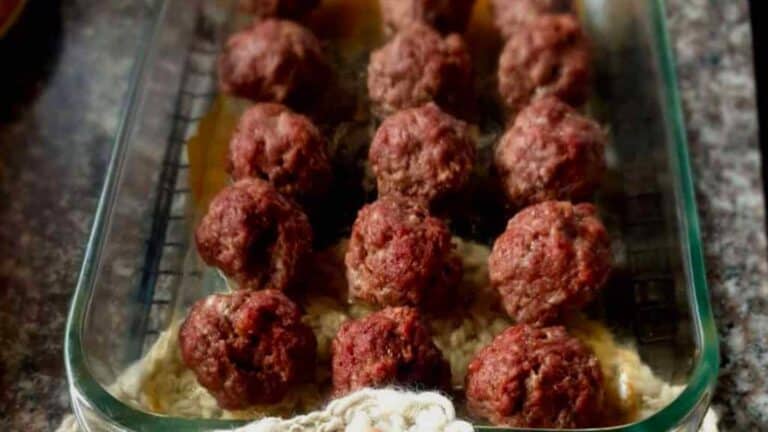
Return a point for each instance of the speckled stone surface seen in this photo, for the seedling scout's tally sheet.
(55, 137)
(61, 96)
(713, 46)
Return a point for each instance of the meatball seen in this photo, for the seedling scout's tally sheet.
(447, 16)
(509, 15)
(247, 348)
(419, 66)
(550, 153)
(548, 56)
(278, 8)
(422, 153)
(400, 255)
(273, 61)
(273, 143)
(535, 378)
(254, 235)
(389, 347)
(554, 257)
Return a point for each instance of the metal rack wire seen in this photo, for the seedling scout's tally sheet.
(168, 241)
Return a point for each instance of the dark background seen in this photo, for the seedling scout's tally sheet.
(758, 13)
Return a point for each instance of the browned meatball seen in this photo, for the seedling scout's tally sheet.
(254, 235)
(536, 377)
(247, 348)
(554, 257)
(447, 16)
(278, 8)
(422, 153)
(400, 255)
(548, 56)
(272, 142)
(419, 66)
(389, 347)
(550, 153)
(509, 15)
(273, 61)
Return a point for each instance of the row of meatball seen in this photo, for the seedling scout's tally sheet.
(447, 16)
(553, 257)
(546, 53)
(551, 152)
(250, 347)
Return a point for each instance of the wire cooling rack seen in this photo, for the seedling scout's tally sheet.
(168, 241)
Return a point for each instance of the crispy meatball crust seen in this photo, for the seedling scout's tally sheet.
(509, 15)
(273, 61)
(400, 255)
(446, 16)
(554, 257)
(254, 235)
(550, 153)
(548, 56)
(535, 377)
(278, 8)
(422, 153)
(273, 143)
(247, 348)
(419, 66)
(389, 347)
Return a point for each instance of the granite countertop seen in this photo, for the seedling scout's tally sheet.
(66, 90)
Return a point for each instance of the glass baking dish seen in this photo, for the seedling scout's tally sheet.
(140, 270)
